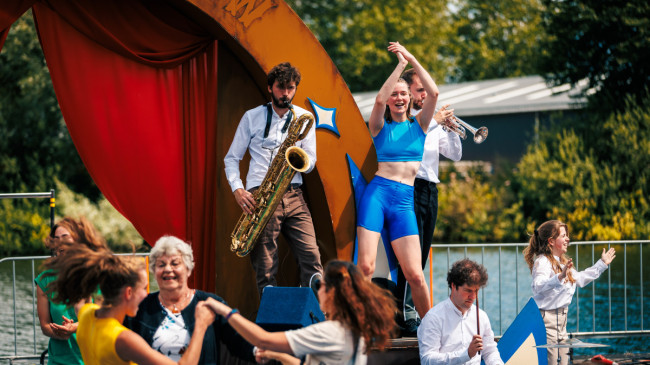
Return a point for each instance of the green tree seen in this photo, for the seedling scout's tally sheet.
(355, 34)
(476, 206)
(602, 192)
(455, 40)
(35, 145)
(606, 42)
(493, 39)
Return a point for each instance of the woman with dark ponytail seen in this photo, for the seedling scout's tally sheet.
(123, 283)
(555, 279)
(359, 315)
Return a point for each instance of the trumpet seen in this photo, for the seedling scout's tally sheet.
(461, 127)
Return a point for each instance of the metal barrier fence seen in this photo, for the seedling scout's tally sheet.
(512, 287)
(507, 291)
(50, 195)
(35, 326)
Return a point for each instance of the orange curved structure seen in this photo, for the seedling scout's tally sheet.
(255, 36)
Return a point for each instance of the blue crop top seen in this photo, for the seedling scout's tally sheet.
(400, 141)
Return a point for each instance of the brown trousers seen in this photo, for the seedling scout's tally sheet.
(555, 322)
(293, 220)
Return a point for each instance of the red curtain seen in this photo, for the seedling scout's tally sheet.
(10, 10)
(137, 88)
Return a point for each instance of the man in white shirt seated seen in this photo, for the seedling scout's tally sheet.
(448, 333)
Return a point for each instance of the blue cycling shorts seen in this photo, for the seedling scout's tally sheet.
(388, 203)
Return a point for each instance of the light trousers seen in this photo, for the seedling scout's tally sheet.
(555, 322)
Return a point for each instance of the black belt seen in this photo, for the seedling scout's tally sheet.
(423, 181)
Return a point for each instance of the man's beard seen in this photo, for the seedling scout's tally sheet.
(417, 104)
(281, 103)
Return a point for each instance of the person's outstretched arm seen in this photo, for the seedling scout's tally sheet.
(284, 359)
(129, 346)
(256, 335)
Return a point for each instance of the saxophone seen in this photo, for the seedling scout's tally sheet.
(289, 160)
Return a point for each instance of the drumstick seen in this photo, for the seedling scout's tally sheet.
(478, 326)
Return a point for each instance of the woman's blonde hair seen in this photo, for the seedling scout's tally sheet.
(539, 245)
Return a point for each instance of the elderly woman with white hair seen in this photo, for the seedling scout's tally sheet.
(165, 319)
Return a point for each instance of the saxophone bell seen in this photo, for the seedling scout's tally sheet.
(297, 159)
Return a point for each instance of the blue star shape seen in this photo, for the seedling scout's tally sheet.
(325, 117)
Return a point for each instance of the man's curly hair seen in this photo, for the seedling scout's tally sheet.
(467, 272)
(284, 73)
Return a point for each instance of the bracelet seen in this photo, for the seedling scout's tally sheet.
(231, 313)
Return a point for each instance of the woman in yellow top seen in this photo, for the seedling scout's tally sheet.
(123, 282)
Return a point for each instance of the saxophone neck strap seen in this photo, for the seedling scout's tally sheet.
(269, 115)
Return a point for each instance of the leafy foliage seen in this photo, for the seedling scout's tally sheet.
(23, 227)
(475, 206)
(454, 40)
(24, 223)
(494, 39)
(598, 184)
(601, 192)
(355, 34)
(35, 144)
(605, 42)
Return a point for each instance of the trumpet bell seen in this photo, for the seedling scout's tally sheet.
(480, 135)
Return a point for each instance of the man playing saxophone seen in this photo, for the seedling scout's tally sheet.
(262, 131)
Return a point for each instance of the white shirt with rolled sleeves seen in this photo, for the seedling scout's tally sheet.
(445, 334)
(438, 142)
(250, 136)
(549, 293)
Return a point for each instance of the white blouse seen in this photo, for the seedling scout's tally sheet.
(549, 293)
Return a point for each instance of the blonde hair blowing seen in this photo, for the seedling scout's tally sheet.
(81, 270)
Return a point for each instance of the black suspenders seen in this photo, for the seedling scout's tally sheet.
(269, 114)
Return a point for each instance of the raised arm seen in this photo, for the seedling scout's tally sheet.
(376, 122)
(429, 104)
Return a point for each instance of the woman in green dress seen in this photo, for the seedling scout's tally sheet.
(57, 321)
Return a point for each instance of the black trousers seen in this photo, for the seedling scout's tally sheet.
(425, 198)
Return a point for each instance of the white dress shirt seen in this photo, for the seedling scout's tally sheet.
(445, 334)
(549, 293)
(437, 142)
(250, 135)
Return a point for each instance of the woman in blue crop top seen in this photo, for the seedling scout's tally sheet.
(388, 199)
